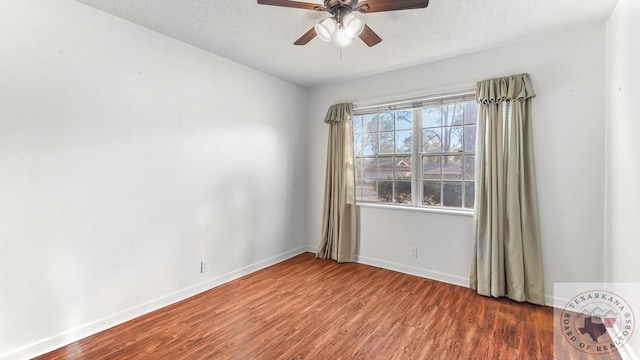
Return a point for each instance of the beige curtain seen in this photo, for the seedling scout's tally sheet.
(508, 258)
(339, 215)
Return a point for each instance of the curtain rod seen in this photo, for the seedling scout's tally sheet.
(408, 100)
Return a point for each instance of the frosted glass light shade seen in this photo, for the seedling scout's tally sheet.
(342, 38)
(325, 29)
(353, 25)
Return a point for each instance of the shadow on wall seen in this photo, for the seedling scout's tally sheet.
(247, 214)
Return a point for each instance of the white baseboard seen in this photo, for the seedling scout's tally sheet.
(406, 269)
(411, 270)
(49, 344)
(557, 302)
(438, 276)
(627, 353)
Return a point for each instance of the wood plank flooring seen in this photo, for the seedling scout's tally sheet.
(305, 308)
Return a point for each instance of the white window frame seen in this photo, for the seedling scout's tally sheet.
(417, 188)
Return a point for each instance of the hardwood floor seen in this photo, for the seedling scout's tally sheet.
(304, 308)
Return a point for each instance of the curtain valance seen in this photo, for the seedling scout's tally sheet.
(338, 113)
(508, 88)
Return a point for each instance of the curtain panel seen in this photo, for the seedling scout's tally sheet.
(338, 240)
(508, 256)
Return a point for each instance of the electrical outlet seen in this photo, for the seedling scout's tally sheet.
(413, 252)
(204, 266)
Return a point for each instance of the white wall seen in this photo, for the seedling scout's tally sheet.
(126, 157)
(622, 164)
(567, 71)
(623, 128)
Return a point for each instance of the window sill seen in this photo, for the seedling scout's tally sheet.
(444, 211)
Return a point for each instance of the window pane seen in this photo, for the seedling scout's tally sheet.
(357, 123)
(402, 167)
(453, 114)
(431, 116)
(452, 194)
(358, 167)
(469, 194)
(470, 138)
(386, 146)
(431, 167)
(404, 120)
(452, 167)
(369, 168)
(403, 192)
(386, 121)
(403, 141)
(357, 144)
(452, 139)
(385, 168)
(471, 112)
(386, 143)
(469, 167)
(431, 193)
(431, 140)
(358, 188)
(370, 122)
(385, 191)
(369, 190)
(370, 144)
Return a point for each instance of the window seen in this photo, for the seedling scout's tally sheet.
(417, 153)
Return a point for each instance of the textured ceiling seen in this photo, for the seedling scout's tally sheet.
(262, 36)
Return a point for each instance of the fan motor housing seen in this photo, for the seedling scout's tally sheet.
(340, 8)
(331, 4)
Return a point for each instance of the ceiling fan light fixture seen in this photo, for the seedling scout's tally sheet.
(325, 28)
(353, 25)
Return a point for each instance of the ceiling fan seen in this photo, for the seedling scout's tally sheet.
(344, 20)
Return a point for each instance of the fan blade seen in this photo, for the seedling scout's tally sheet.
(370, 37)
(370, 6)
(308, 36)
(293, 4)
